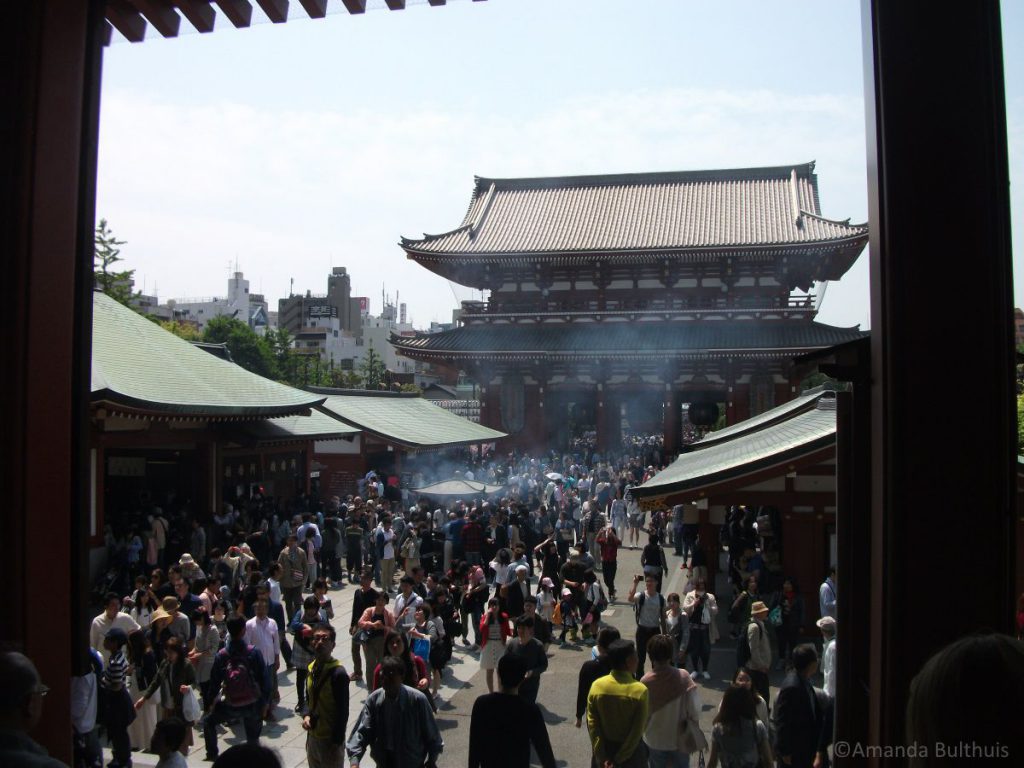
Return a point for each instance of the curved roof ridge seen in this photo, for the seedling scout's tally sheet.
(838, 222)
(605, 179)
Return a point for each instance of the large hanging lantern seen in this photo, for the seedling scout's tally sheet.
(703, 414)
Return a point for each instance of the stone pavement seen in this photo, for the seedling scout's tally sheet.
(464, 681)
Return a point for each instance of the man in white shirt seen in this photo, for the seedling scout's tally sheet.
(108, 620)
(405, 606)
(261, 633)
(386, 548)
(827, 594)
(827, 625)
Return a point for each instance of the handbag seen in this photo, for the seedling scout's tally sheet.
(362, 636)
(690, 737)
(775, 616)
(190, 706)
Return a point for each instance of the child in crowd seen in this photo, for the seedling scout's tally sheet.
(570, 617)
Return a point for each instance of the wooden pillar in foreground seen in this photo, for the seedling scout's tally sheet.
(49, 86)
(943, 452)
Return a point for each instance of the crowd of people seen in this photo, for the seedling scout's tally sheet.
(201, 637)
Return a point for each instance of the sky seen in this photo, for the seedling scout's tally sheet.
(290, 149)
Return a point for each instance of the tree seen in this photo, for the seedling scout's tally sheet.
(247, 348)
(116, 284)
(1020, 425)
(182, 330)
(372, 369)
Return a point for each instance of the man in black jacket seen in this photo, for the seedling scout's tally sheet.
(593, 669)
(495, 713)
(798, 715)
(365, 598)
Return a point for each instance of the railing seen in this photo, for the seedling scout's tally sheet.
(698, 304)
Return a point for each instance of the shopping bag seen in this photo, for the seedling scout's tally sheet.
(421, 647)
(190, 706)
(556, 616)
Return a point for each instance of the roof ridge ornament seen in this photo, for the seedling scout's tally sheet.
(794, 194)
(478, 220)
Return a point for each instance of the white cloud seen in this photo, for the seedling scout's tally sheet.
(289, 193)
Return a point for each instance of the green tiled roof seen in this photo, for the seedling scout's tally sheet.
(804, 402)
(406, 419)
(316, 426)
(802, 434)
(139, 366)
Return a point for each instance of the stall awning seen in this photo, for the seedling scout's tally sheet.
(406, 419)
(459, 488)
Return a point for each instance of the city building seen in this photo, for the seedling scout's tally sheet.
(623, 298)
(250, 308)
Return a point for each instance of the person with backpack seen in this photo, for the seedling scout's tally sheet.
(241, 684)
(754, 649)
(649, 607)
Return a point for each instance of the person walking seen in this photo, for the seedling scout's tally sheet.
(827, 595)
(649, 611)
(396, 724)
(673, 728)
(592, 669)
(495, 713)
(790, 603)
(264, 633)
(701, 608)
(738, 738)
(373, 627)
(494, 630)
(241, 684)
(325, 716)
(531, 651)
(617, 710)
(293, 574)
(758, 653)
(365, 598)
(798, 716)
(609, 543)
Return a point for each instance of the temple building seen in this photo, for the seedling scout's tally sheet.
(636, 301)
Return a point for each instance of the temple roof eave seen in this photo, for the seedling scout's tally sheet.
(415, 251)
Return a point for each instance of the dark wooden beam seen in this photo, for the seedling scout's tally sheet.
(108, 33)
(161, 15)
(239, 12)
(926, 471)
(436, 2)
(315, 9)
(199, 14)
(395, 5)
(127, 20)
(276, 10)
(355, 6)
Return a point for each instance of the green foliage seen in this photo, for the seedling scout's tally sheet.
(247, 348)
(117, 284)
(182, 330)
(372, 369)
(1020, 425)
(414, 388)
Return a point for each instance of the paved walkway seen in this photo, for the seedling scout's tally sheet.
(464, 681)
